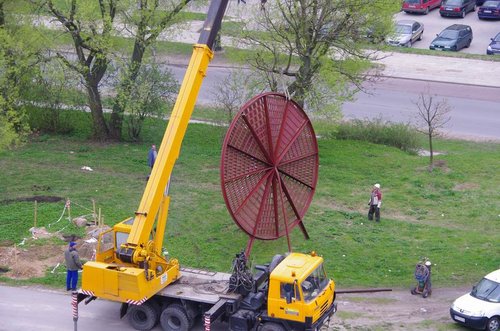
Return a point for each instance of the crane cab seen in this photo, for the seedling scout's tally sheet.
(101, 278)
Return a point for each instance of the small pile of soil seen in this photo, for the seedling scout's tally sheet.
(38, 233)
(23, 263)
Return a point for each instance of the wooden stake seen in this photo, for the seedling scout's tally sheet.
(99, 218)
(36, 210)
(94, 215)
(69, 209)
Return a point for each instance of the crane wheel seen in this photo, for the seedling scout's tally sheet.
(272, 327)
(174, 318)
(143, 317)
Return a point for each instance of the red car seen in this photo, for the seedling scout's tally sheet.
(420, 6)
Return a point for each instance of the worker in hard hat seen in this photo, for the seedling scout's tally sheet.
(375, 203)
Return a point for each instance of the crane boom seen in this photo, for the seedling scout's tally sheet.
(177, 125)
(129, 265)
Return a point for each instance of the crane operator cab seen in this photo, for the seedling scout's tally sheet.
(107, 252)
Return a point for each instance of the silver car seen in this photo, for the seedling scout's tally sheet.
(406, 32)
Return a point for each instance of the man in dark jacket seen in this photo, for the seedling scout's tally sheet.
(73, 264)
(152, 154)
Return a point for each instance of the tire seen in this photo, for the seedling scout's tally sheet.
(143, 317)
(409, 44)
(463, 14)
(174, 318)
(468, 44)
(420, 36)
(493, 324)
(426, 11)
(272, 327)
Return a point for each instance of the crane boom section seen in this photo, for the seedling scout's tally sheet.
(170, 146)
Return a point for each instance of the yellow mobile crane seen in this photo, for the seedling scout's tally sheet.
(290, 293)
(137, 270)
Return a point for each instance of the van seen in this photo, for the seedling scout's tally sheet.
(420, 6)
(480, 309)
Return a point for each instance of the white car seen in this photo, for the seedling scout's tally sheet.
(480, 309)
(406, 33)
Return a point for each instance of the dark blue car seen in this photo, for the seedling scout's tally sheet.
(489, 9)
(494, 46)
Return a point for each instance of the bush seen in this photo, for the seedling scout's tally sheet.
(70, 122)
(402, 136)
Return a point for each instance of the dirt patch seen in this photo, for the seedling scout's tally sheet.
(466, 187)
(27, 260)
(39, 198)
(395, 310)
(25, 263)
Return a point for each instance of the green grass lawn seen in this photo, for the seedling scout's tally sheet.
(451, 215)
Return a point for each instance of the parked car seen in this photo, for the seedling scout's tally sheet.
(457, 8)
(419, 6)
(490, 9)
(480, 309)
(453, 38)
(480, 2)
(406, 33)
(494, 46)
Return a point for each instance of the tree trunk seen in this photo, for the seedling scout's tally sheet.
(100, 130)
(119, 106)
(431, 153)
(2, 15)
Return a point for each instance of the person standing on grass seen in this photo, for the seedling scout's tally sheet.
(152, 154)
(73, 264)
(374, 203)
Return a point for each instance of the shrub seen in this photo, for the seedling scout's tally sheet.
(402, 136)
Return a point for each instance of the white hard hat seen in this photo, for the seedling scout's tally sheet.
(428, 263)
(377, 185)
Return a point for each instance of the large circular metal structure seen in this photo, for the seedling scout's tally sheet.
(269, 167)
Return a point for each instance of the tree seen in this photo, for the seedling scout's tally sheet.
(234, 90)
(54, 90)
(20, 52)
(152, 92)
(434, 115)
(91, 41)
(317, 42)
(147, 22)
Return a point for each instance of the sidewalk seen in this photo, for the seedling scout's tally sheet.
(442, 69)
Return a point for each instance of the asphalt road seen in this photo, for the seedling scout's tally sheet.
(475, 109)
(482, 30)
(32, 308)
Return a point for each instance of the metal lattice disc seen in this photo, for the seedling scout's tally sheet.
(269, 166)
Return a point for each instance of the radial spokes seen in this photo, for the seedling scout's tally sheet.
(269, 166)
